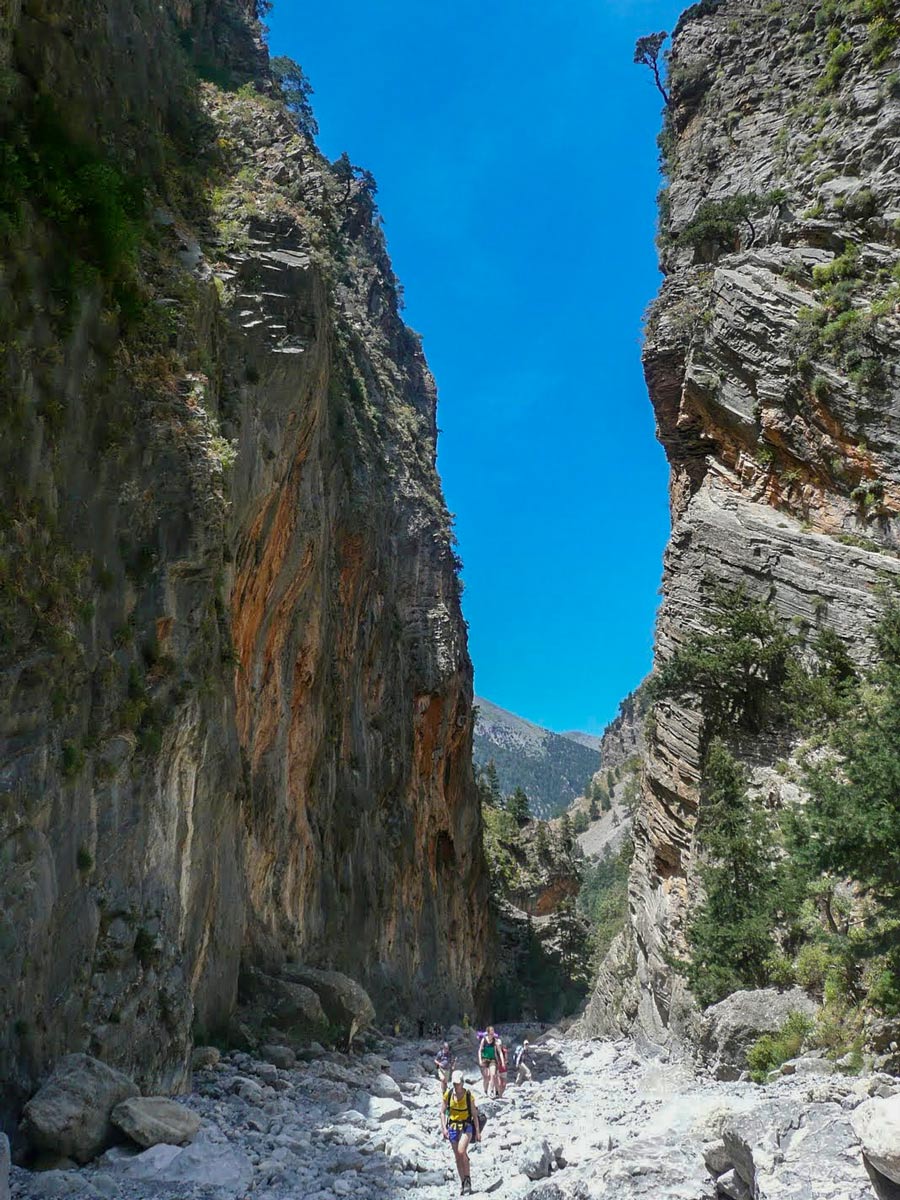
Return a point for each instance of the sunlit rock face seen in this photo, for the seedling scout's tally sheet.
(781, 430)
(237, 699)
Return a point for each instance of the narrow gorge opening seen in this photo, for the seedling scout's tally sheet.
(262, 847)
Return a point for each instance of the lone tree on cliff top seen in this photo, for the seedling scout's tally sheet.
(646, 54)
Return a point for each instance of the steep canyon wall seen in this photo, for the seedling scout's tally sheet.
(236, 697)
(779, 412)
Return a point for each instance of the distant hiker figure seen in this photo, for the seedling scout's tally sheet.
(523, 1071)
(502, 1066)
(460, 1123)
(443, 1060)
(487, 1060)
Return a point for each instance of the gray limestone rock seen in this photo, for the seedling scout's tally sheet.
(386, 1087)
(784, 1150)
(345, 1002)
(70, 1113)
(282, 1057)
(771, 432)
(728, 1029)
(149, 1120)
(876, 1123)
(534, 1159)
(4, 1167)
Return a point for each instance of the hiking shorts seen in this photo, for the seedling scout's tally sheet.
(456, 1131)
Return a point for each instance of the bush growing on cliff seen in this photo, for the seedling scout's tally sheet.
(603, 898)
(96, 209)
(717, 223)
(748, 670)
(731, 932)
(773, 1049)
(852, 828)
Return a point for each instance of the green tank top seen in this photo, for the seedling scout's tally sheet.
(489, 1051)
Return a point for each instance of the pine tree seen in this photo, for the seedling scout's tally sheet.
(541, 844)
(853, 826)
(493, 784)
(593, 810)
(518, 806)
(730, 934)
(566, 839)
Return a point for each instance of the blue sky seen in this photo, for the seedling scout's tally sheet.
(514, 148)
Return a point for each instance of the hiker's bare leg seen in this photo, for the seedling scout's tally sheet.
(485, 1078)
(492, 1079)
(462, 1156)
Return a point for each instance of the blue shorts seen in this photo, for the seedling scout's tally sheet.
(457, 1131)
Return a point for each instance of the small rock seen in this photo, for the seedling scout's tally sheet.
(267, 1072)
(380, 1108)
(150, 1120)
(205, 1057)
(731, 1185)
(534, 1160)
(386, 1087)
(280, 1056)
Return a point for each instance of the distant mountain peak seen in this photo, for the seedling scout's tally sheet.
(552, 768)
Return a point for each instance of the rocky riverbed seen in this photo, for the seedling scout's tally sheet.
(598, 1120)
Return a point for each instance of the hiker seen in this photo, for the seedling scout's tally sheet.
(523, 1071)
(443, 1060)
(502, 1066)
(460, 1123)
(487, 1060)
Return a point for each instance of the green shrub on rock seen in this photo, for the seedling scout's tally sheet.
(773, 1049)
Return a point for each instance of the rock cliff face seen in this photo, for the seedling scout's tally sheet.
(236, 697)
(771, 362)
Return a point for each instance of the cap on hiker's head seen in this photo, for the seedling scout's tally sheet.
(456, 1077)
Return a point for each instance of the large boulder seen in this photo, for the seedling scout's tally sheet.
(728, 1029)
(346, 1004)
(877, 1125)
(272, 1003)
(783, 1149)
(149, 1120)
(70, 1114)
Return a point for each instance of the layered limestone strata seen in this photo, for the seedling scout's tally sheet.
(779, 413)
(236, 697)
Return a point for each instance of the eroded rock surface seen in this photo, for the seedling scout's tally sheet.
(235, 692)
(780, 432)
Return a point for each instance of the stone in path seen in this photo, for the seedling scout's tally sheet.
(70, 1114)
(149, 1120)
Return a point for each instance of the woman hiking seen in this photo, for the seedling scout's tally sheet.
(460, 1123)
(487, 1060)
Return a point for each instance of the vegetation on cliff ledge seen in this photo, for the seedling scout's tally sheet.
(803, 892)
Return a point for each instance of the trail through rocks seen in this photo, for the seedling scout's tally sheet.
(598, 1121)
